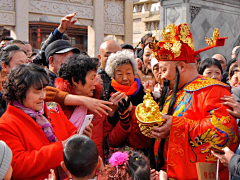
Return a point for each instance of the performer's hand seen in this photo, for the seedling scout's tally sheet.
(225, 158)
(231, 102)
(162, 175)
(163, 131)
(154, 175)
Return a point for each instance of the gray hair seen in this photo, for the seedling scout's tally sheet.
(119, 58)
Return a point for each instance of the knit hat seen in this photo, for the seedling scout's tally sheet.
(59, 47)
(5, 158)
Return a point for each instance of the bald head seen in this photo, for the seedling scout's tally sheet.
(234, 51)
(106, 48)
(221, 59)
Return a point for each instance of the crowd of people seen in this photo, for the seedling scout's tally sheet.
(46, 95)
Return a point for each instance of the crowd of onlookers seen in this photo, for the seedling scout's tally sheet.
(46, 95)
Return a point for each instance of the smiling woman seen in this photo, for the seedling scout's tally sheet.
(126, 92)
(35, 131)
(11, 56)
(211, 68)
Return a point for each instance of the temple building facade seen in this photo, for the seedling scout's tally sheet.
(97, 20)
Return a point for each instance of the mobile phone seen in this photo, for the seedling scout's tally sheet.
(217, 150)
(87, 121)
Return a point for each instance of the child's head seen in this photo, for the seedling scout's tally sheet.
(129, 166)
(81, 157)
(5, 161)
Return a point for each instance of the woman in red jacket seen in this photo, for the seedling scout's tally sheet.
(77, 75)
(35, 131)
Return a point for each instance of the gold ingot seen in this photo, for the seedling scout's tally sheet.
(148, 115)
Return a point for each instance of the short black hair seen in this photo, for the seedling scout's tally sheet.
(21, 78)
(145, 37)
(127, 46)
(80, 155)
(7, 53)
(7, 38)
(15, 41)
(206, 63)
(76, 67)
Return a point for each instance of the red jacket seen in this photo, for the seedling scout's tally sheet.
(98, 122)
(33, 154)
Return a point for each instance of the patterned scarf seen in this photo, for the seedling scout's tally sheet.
(40, 119)
(46, 127)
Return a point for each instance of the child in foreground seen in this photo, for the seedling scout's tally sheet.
(82, 161)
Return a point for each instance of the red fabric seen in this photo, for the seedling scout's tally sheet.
(98, 122)
(133, 136)
(33, 154)
(195, 115)
(64, 85)
(128, 90)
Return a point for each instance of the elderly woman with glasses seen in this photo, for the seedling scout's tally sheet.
(125, 92)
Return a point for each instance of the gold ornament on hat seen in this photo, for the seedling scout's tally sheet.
(185, 36)
(148, 115)
(176, 49)
(212, 41)
(168, 32)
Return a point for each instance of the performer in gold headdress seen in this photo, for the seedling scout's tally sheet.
(195, 117)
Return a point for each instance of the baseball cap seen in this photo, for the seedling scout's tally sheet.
(59, 47)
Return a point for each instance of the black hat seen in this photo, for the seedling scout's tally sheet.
(59, 47)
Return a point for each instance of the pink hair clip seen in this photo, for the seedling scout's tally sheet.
(118, 158)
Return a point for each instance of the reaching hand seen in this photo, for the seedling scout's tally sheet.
(225, 158)
(97, 105)
(163, 131)
(66, 22)
(231, 102)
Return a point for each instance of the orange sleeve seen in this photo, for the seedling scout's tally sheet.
(55, 95)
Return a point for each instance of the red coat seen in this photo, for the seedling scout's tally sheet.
(199, 121)
(98, 122)
(33, 154)
(134, 138)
